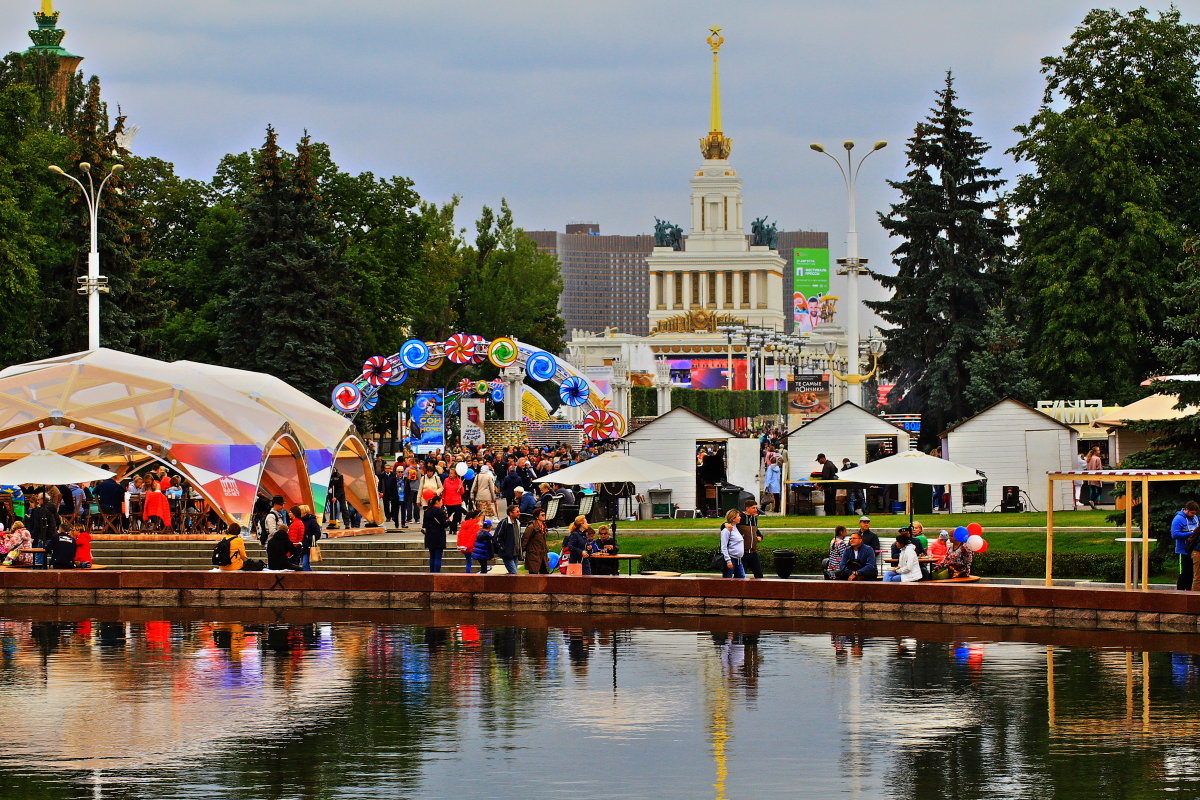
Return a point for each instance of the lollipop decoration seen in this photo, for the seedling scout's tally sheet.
(482, 387)
(541, 366)
(370, 402)
(599, 424)
(347, 397)
(618, 422)
(460, 348)
(479, 349)
(414, 354)
(377, 370)
(466, 385)
(502, 352)
(497, 391)
(574, 391)
(399, 373)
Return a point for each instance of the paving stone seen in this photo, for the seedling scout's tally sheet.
(76, 597)
(1036, 617)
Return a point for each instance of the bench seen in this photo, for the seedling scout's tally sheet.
(964, 579)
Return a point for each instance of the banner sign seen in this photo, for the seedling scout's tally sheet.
(810, 284)
(1072, 412)
(471, 411)
(808, 398)
(429, 421)
(707, 373)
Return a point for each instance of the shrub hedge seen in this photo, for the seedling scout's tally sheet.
(715, 404)
(1097, 566)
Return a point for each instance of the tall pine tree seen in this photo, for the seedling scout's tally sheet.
(289, 311)
(951, 265)
(1115, 153)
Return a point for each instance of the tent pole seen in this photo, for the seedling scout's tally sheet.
(1146, 535)
(1129, 576)
(1050, 532)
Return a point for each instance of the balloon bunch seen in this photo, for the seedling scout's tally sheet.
(971, 537)
(464, 471)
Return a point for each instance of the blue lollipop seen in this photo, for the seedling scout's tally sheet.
(574, 391)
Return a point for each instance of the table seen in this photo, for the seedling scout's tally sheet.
(1136, 580)
(630, 557)
(34, 551)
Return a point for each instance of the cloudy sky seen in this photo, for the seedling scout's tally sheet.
(573, 111)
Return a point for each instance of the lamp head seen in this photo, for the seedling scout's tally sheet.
(57, 170)
(118, 167)
(830, 347)
(848, 144)
(879, 146)
(85, 166)
(816, 146)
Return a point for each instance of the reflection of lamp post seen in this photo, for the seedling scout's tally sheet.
(94, 283)
(852, 266)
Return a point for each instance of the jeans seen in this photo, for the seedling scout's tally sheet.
(754, 562)
(1185, 573)
(510, 564)
(738, 570)
(892, 577)
(304, 563)
(435, 560)
(483, 564)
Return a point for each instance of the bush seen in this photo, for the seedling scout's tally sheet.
(1096, 566)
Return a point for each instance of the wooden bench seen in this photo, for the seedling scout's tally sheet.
(964, 579)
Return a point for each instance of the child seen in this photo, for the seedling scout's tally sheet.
(466, 535)
(83, 547)
(484, 548)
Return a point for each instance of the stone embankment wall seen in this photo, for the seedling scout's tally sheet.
(959, 604)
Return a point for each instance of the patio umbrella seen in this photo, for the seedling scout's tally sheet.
(909, 467)
(48, 467)
(613, 467)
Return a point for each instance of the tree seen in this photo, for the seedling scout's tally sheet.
(951, 265)
(1115, 152)
(1000, 368)
(289, 312)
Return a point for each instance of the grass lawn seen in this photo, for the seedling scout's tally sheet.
(886, 524)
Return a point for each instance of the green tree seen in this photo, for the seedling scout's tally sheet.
(1000, 368)
(1115, 153)
(289, 312)
(950, 265)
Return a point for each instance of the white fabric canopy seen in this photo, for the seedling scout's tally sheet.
(611, 468)
(911, 466)
(48, 467)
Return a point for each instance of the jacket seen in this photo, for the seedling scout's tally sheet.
(508, 536)
(528, 503)
(452, 491)
(312, 530)
(280, 551)
(771, 481)
(295, 531)
(1181, 529)
(577, 544)
(733, 546)
(429, 483)
(237, 554)
(433, 525)
(533, 544)
(908, 567)
(484, 488)
(484, 546)
(866, 558)
(467, 532)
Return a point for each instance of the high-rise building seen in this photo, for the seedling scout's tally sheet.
(605, 282)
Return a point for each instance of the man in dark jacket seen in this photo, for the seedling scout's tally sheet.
(828, 473)
(751, 536)
(508, 537)
(509, 483)
(390, 490)
(858, 562)
(43, 521)
(109, 496)
(434, 524)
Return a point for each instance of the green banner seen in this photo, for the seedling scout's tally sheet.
(811, 283)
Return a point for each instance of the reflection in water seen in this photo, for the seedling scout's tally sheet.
(201, 709)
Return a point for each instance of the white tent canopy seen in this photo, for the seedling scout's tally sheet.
(911, 466)
(611, 468)
(48, 467)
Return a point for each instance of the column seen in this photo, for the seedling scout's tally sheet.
(514, 384)
(720, 289)
(687, 290)
(620, 388)
(662, 385)
(654, 300)
(753, 298)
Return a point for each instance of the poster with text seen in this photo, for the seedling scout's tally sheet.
(471, 411)
(429, 421)
(810, 284)
(808, 398)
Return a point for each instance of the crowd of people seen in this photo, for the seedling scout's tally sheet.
(914, 557)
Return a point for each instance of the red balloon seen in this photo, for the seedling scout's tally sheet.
(975, 529)
(429, 494)
(983, 548)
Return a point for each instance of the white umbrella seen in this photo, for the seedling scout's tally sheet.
(911, 466)
(613, 467)
(48, 467)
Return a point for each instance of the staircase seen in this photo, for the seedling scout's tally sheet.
(349, 554)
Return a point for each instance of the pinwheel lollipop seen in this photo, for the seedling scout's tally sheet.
(482, 387)
(574, 391)
(370, 402)
(466, 385)
(377, 370)
(502, 352)
(347, 397)
(599, 424)
(414, 354)
(460, 348)
(618, 422)
(497, 391)
(479, 349)
(541, 366)
(399, 374)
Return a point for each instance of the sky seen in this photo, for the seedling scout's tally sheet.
(572, 111)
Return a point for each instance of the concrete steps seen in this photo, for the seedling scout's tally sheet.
(340, 555)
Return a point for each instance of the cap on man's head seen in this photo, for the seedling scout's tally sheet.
(277, 500)
(944, 535)
(864, 519)
(820, 456)
(487, 523)
(519, 490)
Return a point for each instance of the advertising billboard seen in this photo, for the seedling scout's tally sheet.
(471, 411)
(810, 284)
(707, 373)
(808, 398)
(429, 422)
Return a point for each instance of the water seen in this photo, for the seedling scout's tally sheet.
(446, 707)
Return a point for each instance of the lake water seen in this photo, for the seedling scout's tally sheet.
(202, 709)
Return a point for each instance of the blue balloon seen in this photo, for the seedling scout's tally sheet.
(552, 558)
(961, 534)
(469, 474)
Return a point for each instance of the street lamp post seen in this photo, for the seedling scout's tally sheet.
(95, 283)
(852, 266)
(730, 331)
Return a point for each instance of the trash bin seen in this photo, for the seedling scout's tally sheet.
(785, 562)
(660, 502)
(645, 511)
(727, 497)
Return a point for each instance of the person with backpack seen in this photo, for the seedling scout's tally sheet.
(62, 549)
(229, 554)
(275, 519)
(484, 548)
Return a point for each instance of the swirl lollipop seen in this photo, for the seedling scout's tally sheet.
(347, 397)
(377, 370)
(599, 425)
(479, 348)
(370, 402)
(466, 385)
(541, 366)
(482, 387)
(574, 391)
(460, 348)
(502, 352)
(414, 354)
(497, 391)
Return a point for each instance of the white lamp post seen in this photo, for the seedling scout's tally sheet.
(94, 283)
(851, 266)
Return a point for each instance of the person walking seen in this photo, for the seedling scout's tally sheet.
(483, 491)
(508, 539)
(733, 546)
(751, 535)
(433, 526)
(484, 548)
(773, 484)
(452, 498)
(389, 489)
(1094, 463)
(533, 544)
(467, 532)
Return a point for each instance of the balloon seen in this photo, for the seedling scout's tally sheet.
(973, 543)
(469, 475)
(975, 529)
(983, 546)
(552, 558)
(461, 468)
(961, 534)
(428, 494)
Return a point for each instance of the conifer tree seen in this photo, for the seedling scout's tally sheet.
(950, 265)
(289, 311)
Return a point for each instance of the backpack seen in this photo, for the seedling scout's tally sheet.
(222, 553)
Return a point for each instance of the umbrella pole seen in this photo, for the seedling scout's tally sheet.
(908, 502)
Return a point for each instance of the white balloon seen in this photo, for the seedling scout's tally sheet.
(461, 468)
(974, 542)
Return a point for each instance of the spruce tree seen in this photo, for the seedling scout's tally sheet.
(289, 312)
(950, 265)
(1115, 154)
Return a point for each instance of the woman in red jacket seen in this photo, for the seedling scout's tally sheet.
(296, 533)
(452, 498)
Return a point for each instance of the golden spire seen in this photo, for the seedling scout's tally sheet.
(716, 144)
(47, 7)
